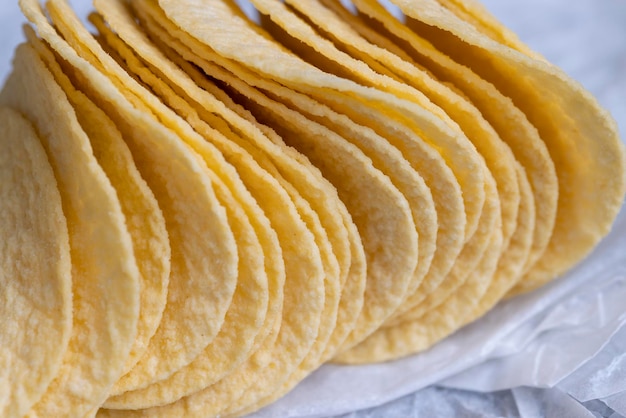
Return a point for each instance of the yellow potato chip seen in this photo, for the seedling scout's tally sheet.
(451, 150)
(498, 156)
(475, 13)
(471, 255)
(356, 23)
(515, 257)
(331, 286)
(305, 266)
(235, 200)
(36, 281)
(592, 182)
(173, 173)
(441, 320)
(242, 320)
(105, 277)
(353, 280)
(497, 109)
(143, 217)
(471, 300)
(381, 296)
(419, 157)
(220, 277)
(412, 336)
(444, 257)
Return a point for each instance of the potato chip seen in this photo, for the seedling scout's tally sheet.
(235, 338)
(237, 199)
(35, 265)
(309, 183)
(280, 351)
(301, 267)
(173, 172)
(458, 152)
(475, 13)
(143, 217)
(497, 109)
(441, 320)
(381, 302)
(331, 286)
(357, 70)
(470, 301)
(443, 259)
(591, 181)
(471, 255)
(353, 283)
(419, 157)
(514, 258)
(499, 157)
(146, 372)
(105, 277)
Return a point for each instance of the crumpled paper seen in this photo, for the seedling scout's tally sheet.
(558, 352)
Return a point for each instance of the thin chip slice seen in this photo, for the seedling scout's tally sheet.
(307, 265)
(474, 12)
(515, 257)
(499, 111)
(244, 321)
(283, 348)
(471, 255)
(498, 156)
(410, 337)
(35, 268)
(581, 137)
(105, 277)
(244, 163)
(173, 172)
(143, 217)
(310, 184)
(217, 279)
(432, 268)
(381, 296)
(413, 336)
(197, 401)
(459, 153)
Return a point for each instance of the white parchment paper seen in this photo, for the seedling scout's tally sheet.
(560, 351)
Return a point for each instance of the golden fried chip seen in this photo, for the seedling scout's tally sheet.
(358, 193)
(245, 165)
(215, 279)
(499, 111)
(477, 14)
(105, 277)
(410, 337)
(592, 180)
(304, 267)
(450, 142)
(143, 217)
(231, 201)
(35, 268)
(498, 156)
(514, 258)
(431, 268)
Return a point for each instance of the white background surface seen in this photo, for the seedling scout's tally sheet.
(558, 352)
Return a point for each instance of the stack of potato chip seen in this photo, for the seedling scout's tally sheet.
(198, 209)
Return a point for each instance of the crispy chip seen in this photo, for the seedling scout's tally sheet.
(143, 217)
(217, 279)
(105, 278)
(206, 200)
(36, 281)
(415, 335)
(591, 180)
(381, 296)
